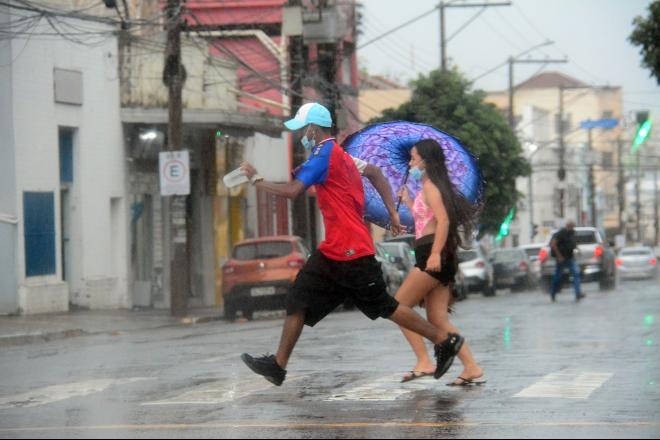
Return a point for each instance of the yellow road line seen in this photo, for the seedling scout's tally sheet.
(347, 425)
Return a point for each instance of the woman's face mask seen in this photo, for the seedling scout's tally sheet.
(417, 167)
(416, 173)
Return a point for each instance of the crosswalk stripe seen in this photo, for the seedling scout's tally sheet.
(566, 385)
(57, 393)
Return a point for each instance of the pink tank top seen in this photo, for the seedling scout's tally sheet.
(422, 214)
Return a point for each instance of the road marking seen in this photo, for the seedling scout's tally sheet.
(219, 392)
(384, 389)
(57, 393)
(337, 425)
(226, 357)
(566, 385)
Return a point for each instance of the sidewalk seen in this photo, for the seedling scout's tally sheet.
(18, 330)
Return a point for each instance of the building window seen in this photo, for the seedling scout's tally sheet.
(66, 156)
(39, 221)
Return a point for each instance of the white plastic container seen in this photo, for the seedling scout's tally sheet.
(235, 178)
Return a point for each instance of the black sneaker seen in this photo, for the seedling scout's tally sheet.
(267, 367)
(446, 352)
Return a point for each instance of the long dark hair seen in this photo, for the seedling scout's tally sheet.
(462, 214)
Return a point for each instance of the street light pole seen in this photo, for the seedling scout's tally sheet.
(443, 30)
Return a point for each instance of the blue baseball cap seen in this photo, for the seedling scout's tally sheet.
(312, 113)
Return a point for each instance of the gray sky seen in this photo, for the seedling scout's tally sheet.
(591, 33)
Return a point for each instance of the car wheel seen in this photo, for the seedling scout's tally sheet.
(490, 291)
(248, 314)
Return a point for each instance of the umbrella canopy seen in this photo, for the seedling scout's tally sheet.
(388, 145)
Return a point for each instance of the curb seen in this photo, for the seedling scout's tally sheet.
(31, 338)
(192, 320)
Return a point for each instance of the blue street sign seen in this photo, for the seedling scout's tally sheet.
(607, 124)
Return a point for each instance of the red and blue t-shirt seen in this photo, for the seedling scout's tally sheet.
(340, 198)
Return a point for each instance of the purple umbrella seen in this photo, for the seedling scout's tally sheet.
(387, 145)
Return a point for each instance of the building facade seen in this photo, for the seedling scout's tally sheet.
(63, 204)
(549, 201)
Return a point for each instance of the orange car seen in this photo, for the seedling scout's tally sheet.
(260, 273)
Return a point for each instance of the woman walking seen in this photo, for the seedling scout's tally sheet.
(441, 216)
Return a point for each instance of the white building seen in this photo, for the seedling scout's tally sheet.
(63, 207)
(547, 201)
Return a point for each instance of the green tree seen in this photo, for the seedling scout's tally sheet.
(446, 101)
(647, 36)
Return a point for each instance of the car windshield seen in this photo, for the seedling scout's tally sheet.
(259, 251)
(532, 252)
(585, 237)
(506, 256)
(636, 252)
(464, 256)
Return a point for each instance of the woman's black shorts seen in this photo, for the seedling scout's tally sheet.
(324, 284)
(449, 269)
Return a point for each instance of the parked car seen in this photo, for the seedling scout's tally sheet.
(402, 254)
(391, 273)
(533, 251)
(637, 262)
(595, 258)
(477, 271)
(260, 273)
(512, 269)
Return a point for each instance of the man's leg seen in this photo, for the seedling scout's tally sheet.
(293, 327)
(410, 320)
(575, 273)
(557, 279)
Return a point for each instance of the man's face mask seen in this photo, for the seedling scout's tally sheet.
(306, 141)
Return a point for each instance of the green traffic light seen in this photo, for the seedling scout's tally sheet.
(643, 133)
(506, 226)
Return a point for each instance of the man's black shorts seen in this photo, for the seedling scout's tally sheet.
(324, 284)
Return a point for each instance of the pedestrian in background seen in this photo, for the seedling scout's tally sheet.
(563, 245)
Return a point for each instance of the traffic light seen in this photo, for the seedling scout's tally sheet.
(506, 226)
(643, 133)
(535, 230)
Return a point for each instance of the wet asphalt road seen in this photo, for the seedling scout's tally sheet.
(560, 370)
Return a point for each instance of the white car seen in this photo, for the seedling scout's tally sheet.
(477, 271)
(637, 262)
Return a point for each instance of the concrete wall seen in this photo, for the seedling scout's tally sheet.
(8, 232)
(98, 211)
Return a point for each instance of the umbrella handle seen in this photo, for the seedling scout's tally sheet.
(405, 180)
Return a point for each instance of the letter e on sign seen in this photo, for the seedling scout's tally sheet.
(174, 173)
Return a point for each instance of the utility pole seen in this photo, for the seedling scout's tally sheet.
(174, 207)
(443, 31)
(592, 186)
(656, 211)
(638, 197)
(302, 220)
(512, 61)
(621, 188)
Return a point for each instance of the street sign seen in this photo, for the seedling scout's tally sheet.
(607, 124)
(174, 173)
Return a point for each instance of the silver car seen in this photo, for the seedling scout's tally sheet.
(638, 262)
(477, 271)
